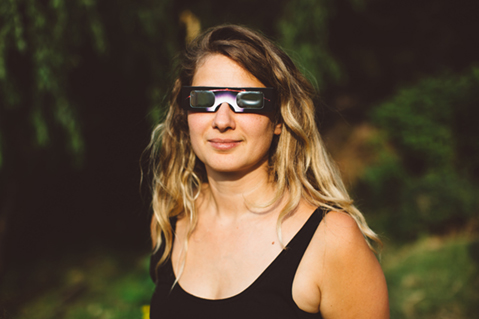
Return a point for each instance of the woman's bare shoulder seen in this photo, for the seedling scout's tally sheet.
(341, 232)
(350, 278)
(338, 240)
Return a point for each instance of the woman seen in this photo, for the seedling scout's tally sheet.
(251, 218)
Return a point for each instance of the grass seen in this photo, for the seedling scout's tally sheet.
(434, 278)
(101, 286)
(431, 278)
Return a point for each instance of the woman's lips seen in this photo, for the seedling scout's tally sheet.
(223, 144)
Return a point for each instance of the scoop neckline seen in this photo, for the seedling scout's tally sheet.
(255, 282)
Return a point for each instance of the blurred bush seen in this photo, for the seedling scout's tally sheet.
(425, 177)
(102, 284)
(433, 278)
(303, 31)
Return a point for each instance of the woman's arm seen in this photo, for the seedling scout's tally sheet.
(351, 282)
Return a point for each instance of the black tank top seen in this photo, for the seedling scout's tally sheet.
(269, 296)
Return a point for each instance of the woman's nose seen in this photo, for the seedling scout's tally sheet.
(224, 118)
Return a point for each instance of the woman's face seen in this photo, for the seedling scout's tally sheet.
(226, 141)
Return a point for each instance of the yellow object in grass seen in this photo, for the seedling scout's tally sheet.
(146, 311)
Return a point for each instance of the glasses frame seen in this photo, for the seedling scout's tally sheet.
(269, 99)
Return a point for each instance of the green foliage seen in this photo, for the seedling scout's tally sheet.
(43, 43)
(37, 51)
(303, 33)
(433, 278)
(425, 177)
(94, 285)
(160, 26)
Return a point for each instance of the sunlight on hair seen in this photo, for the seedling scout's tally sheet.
(192, 24)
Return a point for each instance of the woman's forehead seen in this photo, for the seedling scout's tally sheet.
(221, 71)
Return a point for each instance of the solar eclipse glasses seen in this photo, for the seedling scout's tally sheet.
(241, 100)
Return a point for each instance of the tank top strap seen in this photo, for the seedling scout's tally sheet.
(285, 268)
(301, 240)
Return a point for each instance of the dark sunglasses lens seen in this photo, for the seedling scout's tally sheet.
(202, 98)
(250, 100)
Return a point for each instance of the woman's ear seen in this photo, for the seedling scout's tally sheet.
(277, 129)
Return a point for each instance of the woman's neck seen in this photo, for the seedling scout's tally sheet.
(234, 195)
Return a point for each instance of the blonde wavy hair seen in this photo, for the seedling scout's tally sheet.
(298, 162)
